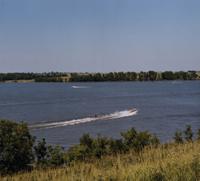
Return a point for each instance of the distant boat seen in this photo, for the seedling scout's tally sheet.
(79, 87)
(75, 87)
(132, 110)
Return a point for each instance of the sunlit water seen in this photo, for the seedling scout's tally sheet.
(63, 112)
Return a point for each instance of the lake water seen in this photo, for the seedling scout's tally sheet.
(101, 108)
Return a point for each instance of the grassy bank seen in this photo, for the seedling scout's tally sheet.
(172, 162)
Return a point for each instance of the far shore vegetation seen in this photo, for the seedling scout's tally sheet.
(137, 155)
(99, 77)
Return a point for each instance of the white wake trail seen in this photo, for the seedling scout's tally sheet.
(79, 87)
(115, 115)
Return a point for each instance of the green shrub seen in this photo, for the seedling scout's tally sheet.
(56, 156)
(178, 137)
(138, 140)
(100, 146)
(155, 140)
(15, 146)
(188, 133)
(117, 146)
(41, 152)
(198, 134)
(87, 141)
(48, 155)
(97, 147)
(77, 152)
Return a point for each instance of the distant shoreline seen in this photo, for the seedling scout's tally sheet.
(33, 81)
(98, 77)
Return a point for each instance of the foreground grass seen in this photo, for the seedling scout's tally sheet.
(172, 162)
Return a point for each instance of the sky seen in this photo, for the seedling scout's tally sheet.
(99, 35)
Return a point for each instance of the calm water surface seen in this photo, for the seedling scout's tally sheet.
(162, 107)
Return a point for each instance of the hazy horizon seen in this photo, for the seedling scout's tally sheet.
(99, 36)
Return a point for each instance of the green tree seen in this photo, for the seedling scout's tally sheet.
(178, 137)
(117, 146)
(56, 156)
(76, 152)
(16, 145)
(168, 75)
(101, 146)
(41, 152)
(198, 134)
(188, 133)
(141, 76)
(129, 136)
(47, 155)
(155, 140)
(152, 75)
(138, 140)
(133, 76)
(87, 141)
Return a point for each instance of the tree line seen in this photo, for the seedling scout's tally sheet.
(19, 150)
(134, 76)
(96, 77)
(37, 77)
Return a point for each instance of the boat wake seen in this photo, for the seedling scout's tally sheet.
(115, 115)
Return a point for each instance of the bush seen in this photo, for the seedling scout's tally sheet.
(198, 135)
(87, 141)
(188, 133)
(129, 136)
(178, 137)
(82, 151)
(48, 155)
(77, 152)
(138, 140)
(100, 146)
(155, 140)
(41, 153)
(56, 156)
(117, 146)
(90, 147)
(97, 147)
(15, 146)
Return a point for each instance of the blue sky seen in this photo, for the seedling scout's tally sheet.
(99, 35)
